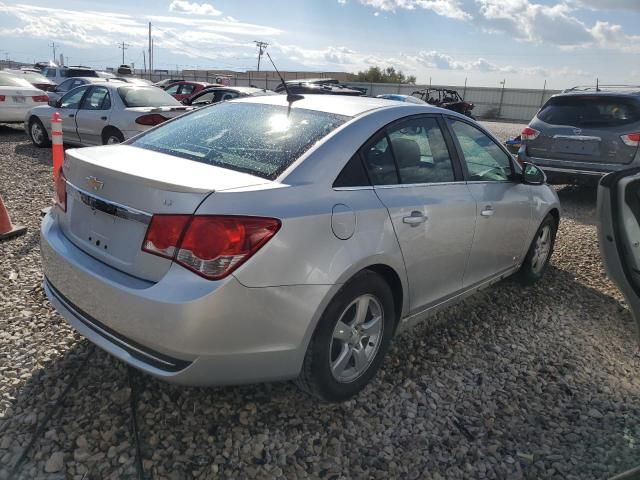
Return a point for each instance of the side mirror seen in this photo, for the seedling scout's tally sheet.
(532, 174)
(53, 103)
(186, 101)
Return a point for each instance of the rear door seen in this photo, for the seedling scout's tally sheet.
(69, 105)
(93, 115)
(432, 211)
(586, 129)
(504, 203)
(619, 233)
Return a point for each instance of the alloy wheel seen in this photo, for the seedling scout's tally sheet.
(356, 338)
(37, 134)
(541, 249)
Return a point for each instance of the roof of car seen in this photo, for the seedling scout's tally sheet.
(247, 90)
(336, 104)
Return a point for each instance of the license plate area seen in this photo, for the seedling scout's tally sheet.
(576, 146)
(103, 233)
(18, 99)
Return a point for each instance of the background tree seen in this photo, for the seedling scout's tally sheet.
(386, 75)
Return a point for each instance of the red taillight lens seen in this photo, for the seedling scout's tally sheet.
(529, 133)
(2, 97)
(151, 119)
(60, 197)
(212, 246)
(164, 233)
(40, 98)
(631, 139)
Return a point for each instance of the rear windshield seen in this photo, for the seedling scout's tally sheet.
(590, 111)
(135, 96)
(11, 81)
(262, 140)
(77, 72)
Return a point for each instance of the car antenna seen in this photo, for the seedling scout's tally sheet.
(291, 97)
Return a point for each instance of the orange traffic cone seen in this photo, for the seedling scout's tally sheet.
(7, 229)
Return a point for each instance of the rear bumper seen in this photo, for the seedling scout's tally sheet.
(14, 114)
(183, 329)
(562, 170)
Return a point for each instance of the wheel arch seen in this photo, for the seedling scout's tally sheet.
(555, 213)
(395, 284)
(110, 128)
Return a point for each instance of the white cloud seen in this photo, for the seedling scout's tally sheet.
(609, 4)
(445, 8)
(183, 6)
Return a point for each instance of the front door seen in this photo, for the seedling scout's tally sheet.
(93, 115)
(504, 203)
(431, 208)
(68, 110)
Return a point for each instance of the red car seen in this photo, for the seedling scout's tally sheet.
(185, 88)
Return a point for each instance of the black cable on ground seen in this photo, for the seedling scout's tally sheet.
(134, 422)
(37, 433)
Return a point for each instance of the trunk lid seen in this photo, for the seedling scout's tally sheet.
(113, 191)
(585, 128)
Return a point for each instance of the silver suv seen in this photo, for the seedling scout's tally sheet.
(582, 134)
(60, 74)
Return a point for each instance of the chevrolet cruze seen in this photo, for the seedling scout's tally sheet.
(287, 237)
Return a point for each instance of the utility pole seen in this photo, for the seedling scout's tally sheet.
(503, 83)
(150, 66)
(144, 62)
(123, 46)
(53, 46)
(261, 48)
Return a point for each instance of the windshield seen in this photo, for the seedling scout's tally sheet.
(248, 137)
(11, 81)
(589, 110)
(135, 96)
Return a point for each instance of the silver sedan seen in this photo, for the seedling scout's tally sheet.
(100, 113)
(276, 238)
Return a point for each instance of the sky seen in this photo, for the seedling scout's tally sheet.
(521, 42)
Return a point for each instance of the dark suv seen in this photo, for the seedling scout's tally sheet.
(581, 134)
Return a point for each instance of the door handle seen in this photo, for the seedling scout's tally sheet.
(103, 118)
(488, 211)
(415, 219)
(71, 115)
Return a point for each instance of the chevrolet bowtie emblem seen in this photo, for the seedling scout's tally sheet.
(94, 183)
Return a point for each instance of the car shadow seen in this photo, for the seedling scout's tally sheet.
(578, 202)
(499, 371)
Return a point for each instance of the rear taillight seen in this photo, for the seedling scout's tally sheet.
(60, 194)
(212, 246)
(2, 97)
(631, 139)
(151, 119)
(529, 133)
(40, 98)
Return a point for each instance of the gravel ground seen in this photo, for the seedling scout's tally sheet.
(541, 382)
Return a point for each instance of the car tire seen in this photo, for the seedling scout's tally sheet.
(540, 251)
(330, 369)
(38, 134)
(112, 136)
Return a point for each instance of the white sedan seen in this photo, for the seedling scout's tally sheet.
(103, 113)
(17, 97)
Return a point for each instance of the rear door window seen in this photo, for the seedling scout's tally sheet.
(590, 111)
(97, 99)
(187, 89)
(262, 140)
